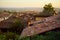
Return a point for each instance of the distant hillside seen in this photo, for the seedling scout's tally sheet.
(24, 9)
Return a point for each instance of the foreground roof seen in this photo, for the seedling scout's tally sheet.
(47, 24)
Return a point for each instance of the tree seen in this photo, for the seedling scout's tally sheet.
(48, 10)
(17, 26)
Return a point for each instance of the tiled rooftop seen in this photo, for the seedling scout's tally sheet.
(51, 23)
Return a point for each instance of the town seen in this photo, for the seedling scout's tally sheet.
(15, 25)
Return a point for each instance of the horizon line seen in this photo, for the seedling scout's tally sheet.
(25, 7)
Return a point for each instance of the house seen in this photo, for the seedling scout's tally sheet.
(6, 24)
(4, 16)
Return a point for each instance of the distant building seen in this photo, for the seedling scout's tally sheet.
(4, 15)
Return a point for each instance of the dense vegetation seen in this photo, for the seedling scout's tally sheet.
(48, 10)
(8, 35)
(51, 35)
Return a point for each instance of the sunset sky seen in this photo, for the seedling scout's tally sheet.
(28, 3)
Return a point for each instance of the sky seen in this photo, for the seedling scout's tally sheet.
(28, 3)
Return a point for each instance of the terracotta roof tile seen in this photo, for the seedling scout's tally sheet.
(50, 24)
